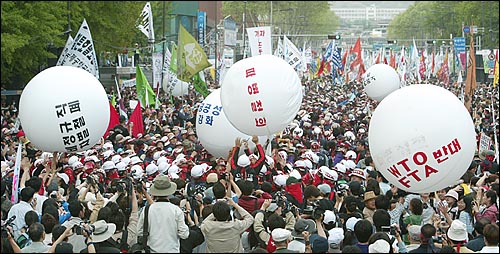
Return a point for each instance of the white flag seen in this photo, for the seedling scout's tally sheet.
(292, 54)
(279, 49)
(15, 179)
(145, 22)
(65, 51)
(259, 40)
(82, 52)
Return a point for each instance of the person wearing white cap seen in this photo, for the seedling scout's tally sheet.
(282, 238)
(457, 236)
(151, 171)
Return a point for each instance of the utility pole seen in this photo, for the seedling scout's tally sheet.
(163, 38)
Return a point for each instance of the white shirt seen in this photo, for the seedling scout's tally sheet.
(490, 249)
(19, 210)
(39, 202)
(166, 227)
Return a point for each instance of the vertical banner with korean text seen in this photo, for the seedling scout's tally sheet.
(259, 40)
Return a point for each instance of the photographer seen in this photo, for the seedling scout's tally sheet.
(77, 210)
(9, 244)
(262, 222)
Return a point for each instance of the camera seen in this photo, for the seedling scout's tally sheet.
(9, 222)
(389, 229)
(341, 189)
(80, 228)
(437, 239)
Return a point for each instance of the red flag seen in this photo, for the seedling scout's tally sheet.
(433, 64)
(114, 120)
(377, 61)
(357, 50)
(136, 118)
(392, 62)
(422, 68)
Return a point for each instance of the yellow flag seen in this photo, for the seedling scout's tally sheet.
(495, 73)
(191, 58)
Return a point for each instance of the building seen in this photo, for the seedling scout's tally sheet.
(367, 13)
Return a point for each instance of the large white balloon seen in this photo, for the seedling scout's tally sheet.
(179, 88)
(380, 80)
(214, 131)
(422, 138)
(261, 95)
(64, 109)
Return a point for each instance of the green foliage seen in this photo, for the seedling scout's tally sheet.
(439, 19)
(293, 17)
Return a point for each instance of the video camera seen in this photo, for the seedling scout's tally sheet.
(341, 189)
(314, 210)
(80, 228)
(281, 200)
(9, 222)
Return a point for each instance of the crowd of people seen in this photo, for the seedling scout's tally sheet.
(318, 191)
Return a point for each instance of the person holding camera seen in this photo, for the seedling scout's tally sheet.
(26, 204)
(36, 233)
(77, 210)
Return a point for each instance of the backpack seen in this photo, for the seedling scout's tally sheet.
(254, 240)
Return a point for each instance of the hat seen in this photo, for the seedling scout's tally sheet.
(369, 195)
(457, 231)
(280, 234)
(151, 169)
(453, 194)
(329, 217)
(243, 161)
(212, 178)
(303, 225)
(119, 138)
(64, 247)
(102, 231)
(64, 177)
(325, 188)
(336, 235)
(272, 207)
(414, 232)
(319, 244)
(162, 186)
(134, 160)
(358, 172)
(280, 180)
(379, 246)
(351, 222)
(197, 171)
(108, 165)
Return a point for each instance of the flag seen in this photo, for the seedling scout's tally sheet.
(495, 72)
(15, 179)
(292, 53)
(145, 93)
(470, 80)
(114, 120)
(336, 63)
(136, 119)
(433, 65)
(422, 68)
(199, 84)
(377, 60)
(392, 61)
(121, 105)
(81, 54)
(358, 60)
(190, 56)
(145, 22)
(279, 49)
(65, 52)
(326, 58)
(402, 66)
(444, 72)
(173, 59)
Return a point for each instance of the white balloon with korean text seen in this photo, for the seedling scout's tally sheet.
(380, 80)
(64, 109)
(422, 138)
(261, 95)
(215, 132)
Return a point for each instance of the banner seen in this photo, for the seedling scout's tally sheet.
(202, 17)
(157, 69)
(15, 179)
(82, 53)
(65, 52)
(128, 82)
(191, 58)
(470, 80)
(292, 54)
(145, 22)
(200, 85)
(484, 143)
(259, 40)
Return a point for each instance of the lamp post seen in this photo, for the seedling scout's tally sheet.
(244, 35)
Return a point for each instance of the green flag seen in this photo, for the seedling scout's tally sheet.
(142, 87)
(191, 58)
(200, 86)
(173, 58)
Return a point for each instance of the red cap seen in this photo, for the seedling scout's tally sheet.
(20, 133)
